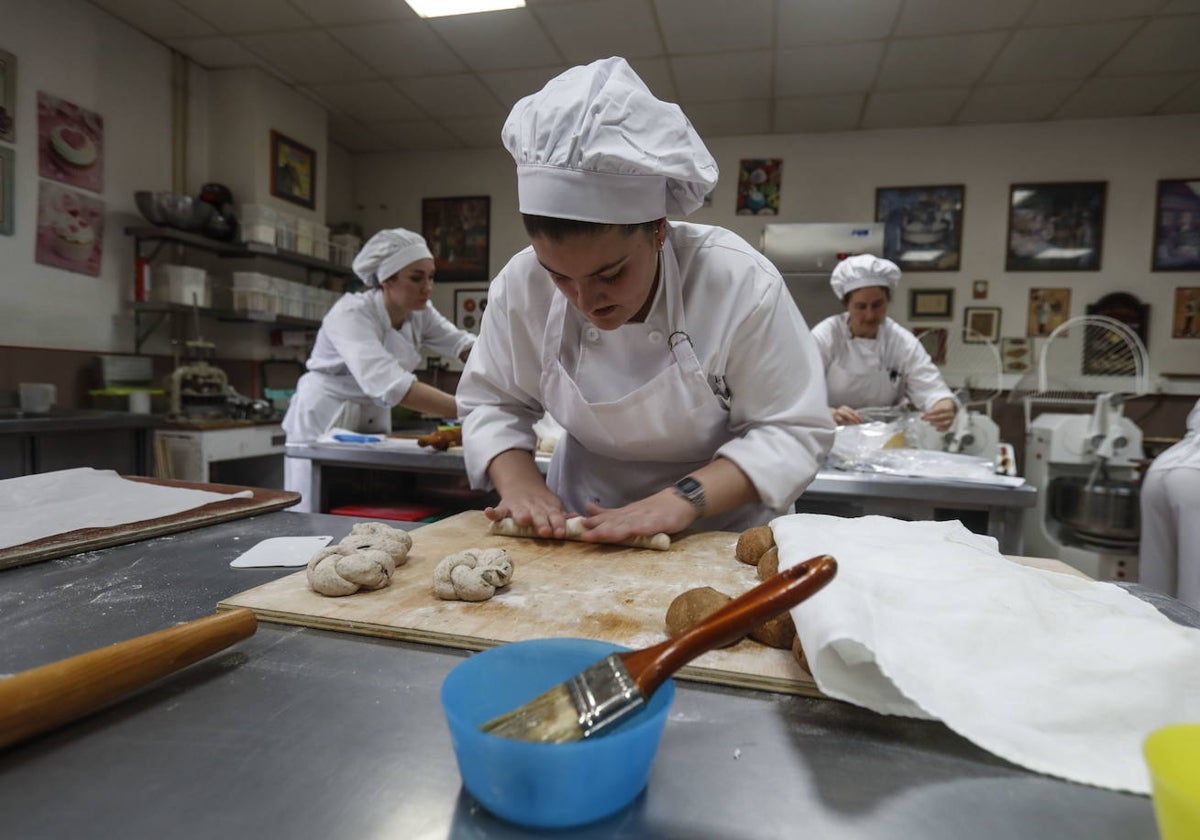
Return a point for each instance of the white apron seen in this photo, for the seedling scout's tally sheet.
(614, 453)
(860, 379)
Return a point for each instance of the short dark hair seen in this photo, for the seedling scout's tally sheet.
(557, 230)
(887, 290)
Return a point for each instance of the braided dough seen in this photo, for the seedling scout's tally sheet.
(364, 559)
(507, 528)
(473, 574)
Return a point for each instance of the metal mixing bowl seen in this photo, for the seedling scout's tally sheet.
(173, 209)
(1106, 509)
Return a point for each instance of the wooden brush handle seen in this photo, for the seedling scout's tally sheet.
(40, 699)
(651, 666)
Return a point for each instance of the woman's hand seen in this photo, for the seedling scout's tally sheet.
(666, 512)
(524, 495)
(844, 415)
(942, 414)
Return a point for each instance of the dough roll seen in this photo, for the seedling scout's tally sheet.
(507, 528)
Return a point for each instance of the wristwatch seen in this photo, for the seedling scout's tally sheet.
(693, 491)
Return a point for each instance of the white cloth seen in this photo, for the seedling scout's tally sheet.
(33, 507)
(387, 252)
(880, 371)
(1059, 674)
(1169, 547)
(744, 330)
(595, 145)
(862, 270)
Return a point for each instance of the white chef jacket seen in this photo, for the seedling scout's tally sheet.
(880, 371)
(744, 333)
(1169, 550)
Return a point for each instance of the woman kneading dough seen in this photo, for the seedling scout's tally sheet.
(686, 381)
(367, 348)
(870, 360)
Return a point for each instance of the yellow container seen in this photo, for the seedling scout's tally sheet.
(1173, 754)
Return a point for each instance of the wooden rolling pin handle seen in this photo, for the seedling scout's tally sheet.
(42, 698)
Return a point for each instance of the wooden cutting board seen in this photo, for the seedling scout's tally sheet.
(574, 589)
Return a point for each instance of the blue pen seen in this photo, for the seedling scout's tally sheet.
(356, 438)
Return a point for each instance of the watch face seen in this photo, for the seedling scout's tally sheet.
(688, 485)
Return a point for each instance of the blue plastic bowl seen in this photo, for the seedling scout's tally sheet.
(546, 785)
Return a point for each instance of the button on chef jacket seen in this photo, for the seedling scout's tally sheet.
(743, 327)
(880, 371)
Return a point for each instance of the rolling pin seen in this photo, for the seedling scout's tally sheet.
(42, 698)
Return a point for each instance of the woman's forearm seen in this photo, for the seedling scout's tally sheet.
(429, 400)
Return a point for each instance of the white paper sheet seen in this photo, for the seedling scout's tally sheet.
(281, 551)
(33, 507)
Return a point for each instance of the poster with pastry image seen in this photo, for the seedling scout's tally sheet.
(1016, 354)
(70, 143)
(70, 231)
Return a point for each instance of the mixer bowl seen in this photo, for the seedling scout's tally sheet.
(1107, 509)
(173, 209)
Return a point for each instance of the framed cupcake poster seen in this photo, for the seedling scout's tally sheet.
(70, 143)
(8, 96)
(70, 232)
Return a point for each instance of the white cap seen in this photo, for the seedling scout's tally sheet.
(862, 270)
(387, 252)
(595, 145)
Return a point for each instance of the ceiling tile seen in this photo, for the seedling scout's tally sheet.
(311, 57)
(497, 40)
(400, 49)
(803, 22)
(368, 101)
(1060, 52)
(156, 18)
(511, 85)
(452, 96)
(240, 17)
(840, 68)
(706, 26)
(1187, 101)
(1131, 96)
(1053, 12)
(595, 29)
(215, 52)
(937, 62)
(1162, 46)
(415, 136)
(1014, 103)
(656, 73)
(340, 12)
(726, 119)
(354, 137)
(939, 17)
(911, 108)
(818, 113)
(711, 78)
(476, 132)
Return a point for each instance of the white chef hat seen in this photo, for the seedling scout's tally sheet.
(862, 270)
(387, 252)
(595, 145)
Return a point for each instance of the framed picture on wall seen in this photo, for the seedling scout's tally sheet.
(1047, 309)
(930, 303)
(934, 340)
(922, 226)
(1055, 227)
(457, 230)
(981, 324)
(8, 97)
(70, 143)
(1177, 226)
(293, 171)
(1185, 321)
(760, 181)
(7, 176)
(1016, 354)
(468, 308)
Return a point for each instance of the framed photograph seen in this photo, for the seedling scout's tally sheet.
(1177, 226)
(934, 340)
(293, 171)
(1016, 354)
(922, 226)
(468, 308)
(1055, 227)
(7, 180)
(8, 97)
(930, 303)
(979, 289)
(981, 324)
(70, 231)
(70, 143)
(1047, 309)
(1186, 319)
(457, 230)
(759, 183)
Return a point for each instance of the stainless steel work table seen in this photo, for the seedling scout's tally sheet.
(299, 733)
(834, 491)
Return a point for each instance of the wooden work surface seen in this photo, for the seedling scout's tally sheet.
(91, 539)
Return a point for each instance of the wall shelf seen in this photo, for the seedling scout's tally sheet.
(160, 236)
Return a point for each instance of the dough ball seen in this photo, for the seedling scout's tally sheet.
(768, 564)
(473, 574)
(382, 537)
(798, 652)
(779, 632)
(694, 606)
(753, 543)
(343, 570)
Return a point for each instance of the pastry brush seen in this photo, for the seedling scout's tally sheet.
(619, 684)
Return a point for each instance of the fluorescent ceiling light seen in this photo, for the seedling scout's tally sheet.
(443, 8)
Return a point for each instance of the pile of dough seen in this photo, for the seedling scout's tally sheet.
(692, 607)
(754, 543)
(508, 528)
(364, 559)
(473, 574)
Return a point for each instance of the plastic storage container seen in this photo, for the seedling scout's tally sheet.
(343, 248)
(285, 231)
(321, 242)
(254, 292)
(305, 231)
(182, 284)
(258, 223)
